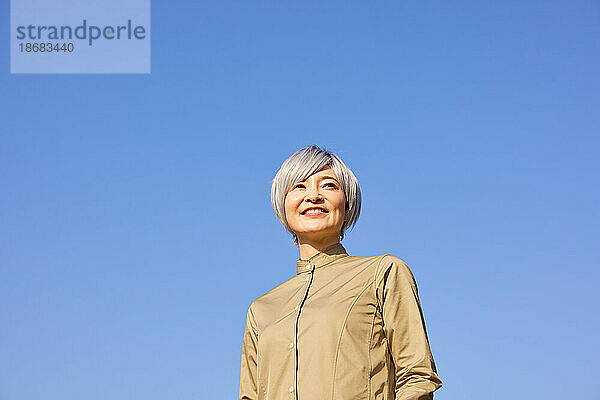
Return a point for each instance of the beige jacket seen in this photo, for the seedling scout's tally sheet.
(343, 328)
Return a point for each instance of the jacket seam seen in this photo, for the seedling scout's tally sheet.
(337, 350)
(387, 342)
(375, 279)
(385, 338)
(378, 307)
(370, 342)
(260, 386)
(252, 323)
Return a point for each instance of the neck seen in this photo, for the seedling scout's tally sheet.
(309, 249)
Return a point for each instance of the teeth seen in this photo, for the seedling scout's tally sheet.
(314, 211)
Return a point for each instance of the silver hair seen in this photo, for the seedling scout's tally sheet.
(302, 164)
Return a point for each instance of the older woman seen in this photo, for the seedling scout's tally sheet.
(344, 327)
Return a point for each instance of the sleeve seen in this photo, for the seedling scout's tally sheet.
(404, 327)
(248, 374)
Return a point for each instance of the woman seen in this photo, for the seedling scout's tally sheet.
(344, 327)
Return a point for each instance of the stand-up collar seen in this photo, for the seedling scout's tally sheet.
(321, 258)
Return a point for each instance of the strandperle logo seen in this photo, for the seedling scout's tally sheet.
(80, 37)
(85, 31)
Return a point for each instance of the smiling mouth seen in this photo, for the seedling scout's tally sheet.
(315, 211)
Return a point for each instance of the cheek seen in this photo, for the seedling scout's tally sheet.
(291, 206)
(341, 204)
(287, 201)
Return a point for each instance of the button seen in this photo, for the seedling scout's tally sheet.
(291, 388)
(307, 278)
(291, 344)
(308, 266)
(295, 308)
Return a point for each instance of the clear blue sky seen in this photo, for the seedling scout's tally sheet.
(472, 126)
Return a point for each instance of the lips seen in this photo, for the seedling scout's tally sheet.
(314, 208)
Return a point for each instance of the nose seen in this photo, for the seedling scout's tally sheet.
(313, 193)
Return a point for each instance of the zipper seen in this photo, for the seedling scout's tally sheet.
(296, 330)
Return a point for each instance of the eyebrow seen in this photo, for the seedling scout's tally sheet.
(323, 178)
(330, 177)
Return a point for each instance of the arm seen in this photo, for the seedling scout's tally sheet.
(404, 327)
(248, 374)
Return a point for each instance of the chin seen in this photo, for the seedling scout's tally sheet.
(317, 230)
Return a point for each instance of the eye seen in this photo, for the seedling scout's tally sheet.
(332, 185)
(298, 185)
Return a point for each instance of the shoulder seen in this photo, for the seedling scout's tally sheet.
(264, 305)
(391, 267)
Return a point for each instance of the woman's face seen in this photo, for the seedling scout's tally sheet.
(323, 193)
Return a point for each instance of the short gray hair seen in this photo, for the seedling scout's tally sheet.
(302, 164)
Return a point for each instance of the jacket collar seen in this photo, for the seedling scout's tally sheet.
(321, 258)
